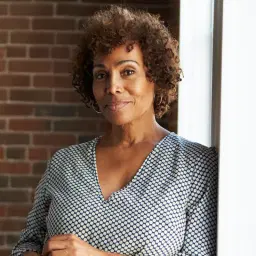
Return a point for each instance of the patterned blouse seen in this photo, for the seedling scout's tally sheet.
(168, 208)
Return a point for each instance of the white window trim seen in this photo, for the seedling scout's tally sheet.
(194, 103)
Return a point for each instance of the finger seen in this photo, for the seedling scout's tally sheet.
(55, 245)
(64, 237)
(59, 253)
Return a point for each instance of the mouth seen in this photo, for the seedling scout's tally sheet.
(117, 105)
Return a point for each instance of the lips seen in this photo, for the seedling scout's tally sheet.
(115, 106)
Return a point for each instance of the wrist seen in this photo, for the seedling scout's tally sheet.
(95, 252)
(98, 252)
(30, 253)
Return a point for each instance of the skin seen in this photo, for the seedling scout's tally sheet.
(121, 77)
(125, 98)
(69, 245)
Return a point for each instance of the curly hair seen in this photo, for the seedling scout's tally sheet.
(115, 25)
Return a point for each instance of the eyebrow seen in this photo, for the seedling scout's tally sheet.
(116, 64)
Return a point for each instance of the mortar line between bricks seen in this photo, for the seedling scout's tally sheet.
(54, 17)
(9, 182)
(149, 5)
(47, 31)
(8, 95)
(11, 232)
(30, 24)
(8, 9)
(57, 118)
(23, 189)
(55, 103)
(31, 81)
(8, 37)
(26, 158)
(54, 10)
(41, 74)
(29, 73)
(46, 59)
(27, 50)
(51, 62)
(41, 45)
(46, 89)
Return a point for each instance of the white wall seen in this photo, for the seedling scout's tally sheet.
(236, 106)
(237, 180)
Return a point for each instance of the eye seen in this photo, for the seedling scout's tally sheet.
(128, 72)
(99, 75)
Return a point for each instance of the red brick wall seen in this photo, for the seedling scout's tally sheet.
(39, 110)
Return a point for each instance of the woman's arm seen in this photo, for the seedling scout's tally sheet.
(33, 235)
(31, 254)
(100, 254)
(201, 225)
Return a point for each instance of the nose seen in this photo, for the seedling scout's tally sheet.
(114, 84)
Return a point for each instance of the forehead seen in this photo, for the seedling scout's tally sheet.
(121, 53)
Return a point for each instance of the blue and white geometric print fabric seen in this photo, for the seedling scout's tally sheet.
(168, 208)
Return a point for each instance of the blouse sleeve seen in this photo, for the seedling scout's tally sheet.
(33, 235)
(201, 222)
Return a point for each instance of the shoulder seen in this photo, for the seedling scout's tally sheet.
(200, 159)
(73, 153)
(190, 149)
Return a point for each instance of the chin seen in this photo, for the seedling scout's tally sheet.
(118, 119)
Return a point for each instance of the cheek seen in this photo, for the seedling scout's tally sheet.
(97, 91)
(144, 92)
(94, 90)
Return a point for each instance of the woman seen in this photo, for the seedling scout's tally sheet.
(138, 189)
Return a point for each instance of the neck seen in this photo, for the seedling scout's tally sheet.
(142, 129)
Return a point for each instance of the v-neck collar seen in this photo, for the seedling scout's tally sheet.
(135, 177)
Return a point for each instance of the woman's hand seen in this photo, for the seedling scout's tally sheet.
(69, 245)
